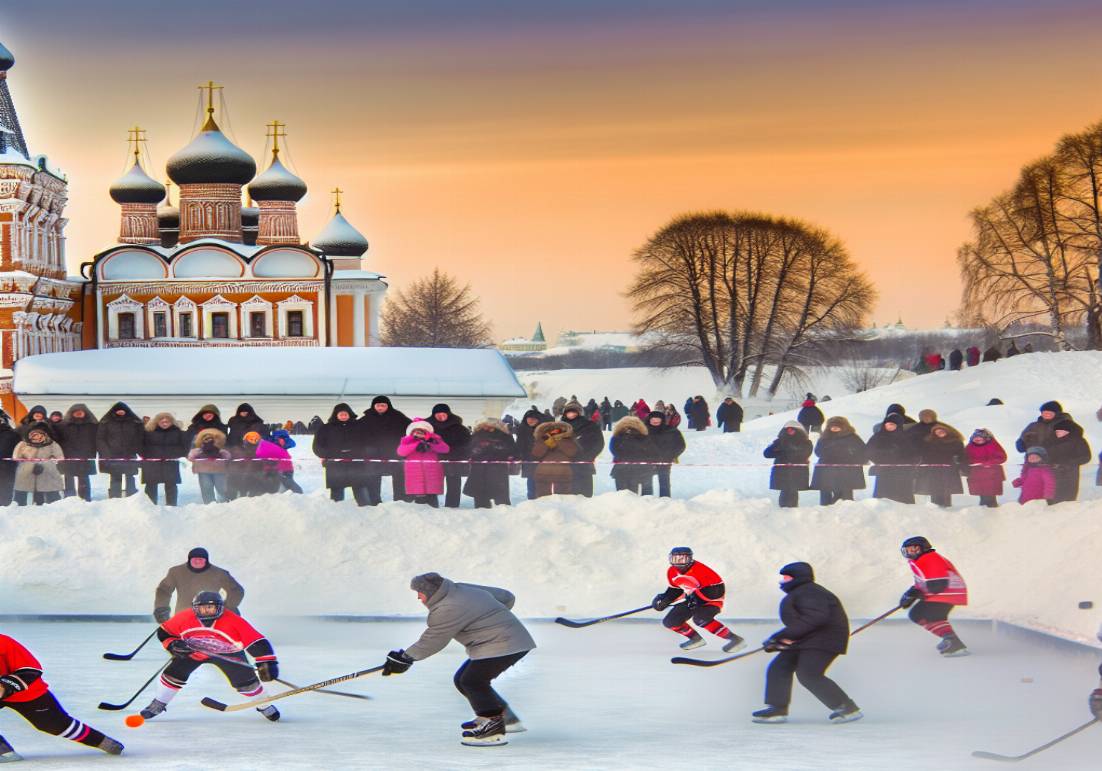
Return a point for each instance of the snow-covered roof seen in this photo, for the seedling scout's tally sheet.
(283, 371)
(351, 274)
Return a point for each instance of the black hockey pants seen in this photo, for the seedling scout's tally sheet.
(473, 681)
(49, 717)
(241, 676)
(809, 667)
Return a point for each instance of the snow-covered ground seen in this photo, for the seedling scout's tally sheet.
(602, 697)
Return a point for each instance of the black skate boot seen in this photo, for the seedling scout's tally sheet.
(694, 641)
(110, 746)
(489, 733)
(735, 643)
(7, 754)
(512, 723)
(770, 715)
(269, 712)
(952, 646)
(155, 708)
(846, 713)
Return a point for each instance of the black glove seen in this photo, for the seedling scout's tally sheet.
(180, 648)
(268, 670)
(1095, 702)
(693, 601)
(37, 469)
(660, 602)
(10, 684)
(422, 446)
(161, 615)
(774, 644)
(910, 597)
(397, 662)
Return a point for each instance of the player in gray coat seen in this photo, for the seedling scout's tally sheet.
(194, 576)
(480, 618)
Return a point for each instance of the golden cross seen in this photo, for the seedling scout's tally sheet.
(337, 198)
(276, 132)
(136, 136)
(210, 88)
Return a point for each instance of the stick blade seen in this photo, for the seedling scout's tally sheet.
(213, 704)
(118, 656)
(112, 707)
(995, 756)
(697, 662)
(572, 624)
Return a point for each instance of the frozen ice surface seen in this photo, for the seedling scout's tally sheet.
(596, 698)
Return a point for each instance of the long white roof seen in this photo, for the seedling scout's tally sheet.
(269, 371)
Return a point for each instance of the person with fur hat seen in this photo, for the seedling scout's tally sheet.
(76, 433)
(941, 455)
(590, 441)
(842, 458)
(1067, 451)
(449, 427)
(243, 421)
(209, 458)
(277, 450)
(37, 476)
(492, 450)
(790, 452)
(9, 438)
(525, 439)
(342, 445)
(208, 416)
(554, 449)
(631, 449)
(810, 416)
(1037, 481)
(893, 456)
(480, 618)
(165, 443)
(668, 444)
(120, 438)
(1039, 433)
(383, 427)
(985, 467)
(424, 474)
(196, 574)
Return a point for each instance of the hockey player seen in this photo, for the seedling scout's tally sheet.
(194, 576)
(23, 690)
(937, 588)
(481, 618)
(207, 625)
(703, 590)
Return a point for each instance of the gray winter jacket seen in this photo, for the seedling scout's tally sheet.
(478, 617)
(187, 583)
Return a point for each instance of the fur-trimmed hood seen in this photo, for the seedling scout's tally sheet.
(629, 424)
(837, 420)
(212, 408)
(576, 406)
(151, 424)
(88, 416)
(952, 433)
(565, 430)
(493, 424)
(219, 437)
(791, 424)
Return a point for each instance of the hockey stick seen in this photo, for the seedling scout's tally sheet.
(876, 620)
(116, 707)
(292, 686)
(213, 704)
(128, 656)
(1035, 750)
(603, 619)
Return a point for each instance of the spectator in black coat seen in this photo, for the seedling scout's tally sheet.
(816, 631)
(1066, 453)
(941, 453)
(1041, 432)
(668, 444)
(341, 446)
(449, 427)
(842, 458)
(810, 416)
(606, 414)
(492, 449)
(700, 415)
(790, 452)
(9, 438)
(243, 421)
(165, 443)
(383, 428)
(956, 359)
(992, 353)
(37, 414)
(77, 436)
(592, 408)
(208, 416)
(120, 437)
(631, 450)
(590, 440)
(315, 423)
(1012, 350)
(893, 455)
(687, 410)
(895, 409)
(524, 439)
(729, 416)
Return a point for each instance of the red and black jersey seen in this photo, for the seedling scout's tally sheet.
(699, 580)
(229, 632)
(20, 665)
(938, 580)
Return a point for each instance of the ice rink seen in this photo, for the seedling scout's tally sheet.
(600, 697)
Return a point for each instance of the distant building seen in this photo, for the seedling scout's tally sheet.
(536, 344)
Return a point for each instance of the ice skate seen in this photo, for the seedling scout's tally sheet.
(489, 733)
(269, 712)
(952, 646)
(110, 746)
(7, 753)
(846, 713)
(694, 641)
(155, 708)
(770, 715)
(735, 643)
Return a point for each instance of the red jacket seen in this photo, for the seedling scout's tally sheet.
(1037, 483)
(19, 662)
(697, 578)
(229, 629)
(985, 468)
(931, 566)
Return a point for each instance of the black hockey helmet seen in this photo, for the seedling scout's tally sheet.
(914, 547)
(208, 598)
(681, 557)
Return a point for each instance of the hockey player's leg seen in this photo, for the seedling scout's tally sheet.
(473, 681)
(244, 680)
(934, 618)
(778, 688)
(811, 672)
(7, 752)
(48, 716)
(677, 620)
(705, 617)
(169, 684)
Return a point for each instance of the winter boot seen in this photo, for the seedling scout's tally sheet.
(694, 641)
(490, 733)
(770, 714)
(110, 746)
(846, 713)
(269, 712)
(952, 646)
(735, 643)
(155, 708)
(7, 754)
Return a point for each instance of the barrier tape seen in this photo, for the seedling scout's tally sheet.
(326, 461)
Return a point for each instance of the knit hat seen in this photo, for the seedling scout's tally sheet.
(982, 432)
(1041, 451)
(441, 408)
(252, 437)
(424, 425)
(1053, 406)
(894, 418)
(198, 551)
(427, 584)
(924, 414)
(1066, 424)
(792, 424)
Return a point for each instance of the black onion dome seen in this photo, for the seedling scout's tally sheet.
(168, 216)
(276, 183)
(7, 61)
(211, 158)
(340, 239)
(135, 186)
(250, 215)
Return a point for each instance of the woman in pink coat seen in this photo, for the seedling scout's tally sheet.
(424, 473)
(985, 467)
(1037, 480)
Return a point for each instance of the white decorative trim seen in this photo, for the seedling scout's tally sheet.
(296, 303)
(158, 305)
(181, 306)
(112, 288)
(219, 304)
(255, 304)
(124, 304)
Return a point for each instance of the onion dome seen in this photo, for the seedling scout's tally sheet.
(211, 158)
(135, 186)
(250, 215)
(7, 61)
(340, 239)
(277, 183)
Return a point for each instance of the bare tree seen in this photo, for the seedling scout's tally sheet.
(744, 290)
(434, 312)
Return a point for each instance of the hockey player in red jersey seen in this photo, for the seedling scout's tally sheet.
(208, 626)
(703, 590)
(23, 690)
(937, 588)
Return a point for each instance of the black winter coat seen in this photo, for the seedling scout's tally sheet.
(239, 425)
(789, 449)
(78, 440)
(458, 438)
(815, 619)
(119, 437)
(699, 414)
(381, 435)
(942, 461)
(170, 443)
(629, 453)
(524, 442)
(490, 480)
(887, 450)
(668, 443)
(956, 359)
(198, 424)
(729, 416)
(842, 458)
(246, 476)
(9, 438)
(1039, 433)
(589, 438)
(342, 448)
(1065, 456)
(810, 417)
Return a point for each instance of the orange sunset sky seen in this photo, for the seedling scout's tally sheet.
(530, 149)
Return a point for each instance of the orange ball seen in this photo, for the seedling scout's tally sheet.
(134, 721)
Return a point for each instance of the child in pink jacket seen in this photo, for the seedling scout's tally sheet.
(424, 473)
(1037, 480)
